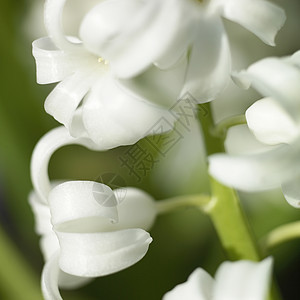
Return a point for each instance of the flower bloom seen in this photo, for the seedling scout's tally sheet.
(135, 35)
(241, 280)
(88, 239)
(90, 100)
(87, 229)
(275, 121)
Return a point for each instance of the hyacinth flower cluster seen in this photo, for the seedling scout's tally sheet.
(130, 63)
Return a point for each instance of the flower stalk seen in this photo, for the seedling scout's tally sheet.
(225, 210)
(280, 235)
(199, 201)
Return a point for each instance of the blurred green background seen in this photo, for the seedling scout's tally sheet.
(183, 240)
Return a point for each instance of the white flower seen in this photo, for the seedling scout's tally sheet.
(87, 229)
(135, 34)
(90, 101)
(86, 240)
(274, 121)
(241, 280)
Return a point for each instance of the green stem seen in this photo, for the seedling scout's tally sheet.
(280, 235)
(222, 127)
(17, 280)
(225, 210)
(231, 224)
(199, 201)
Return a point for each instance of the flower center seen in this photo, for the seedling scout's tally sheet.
(103, 61)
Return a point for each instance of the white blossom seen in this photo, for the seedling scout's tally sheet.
(87, 230)
(241, 280)
(90, 100)
(135, 34)
(274, 121)
(87, 239)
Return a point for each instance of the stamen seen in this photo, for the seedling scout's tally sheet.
(102, 60)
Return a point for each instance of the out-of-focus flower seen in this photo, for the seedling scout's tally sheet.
(242, 280)
(87, 239)
(73, 13)
(90, 101)
(274, 121)
(135, 34)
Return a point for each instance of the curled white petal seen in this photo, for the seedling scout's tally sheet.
(270, 123)
(74, 200)
(263, 18)
(199, 286)
(42, 153)
(52, 17)
(90, 244)
(243, 280)
(67, 281)
(53, 278)
(132, 34)
(279, 79)
(259, 171)
(101, 253)
(291, 192)
(209, 61)
(52, 64)
(113, 118)
(67, 95)
(50, 279)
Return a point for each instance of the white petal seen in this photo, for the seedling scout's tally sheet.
(209, 63)
(279, 79)
(91, 245)
(101, 253)
(291, 192)
(270, 123)
(199, 286)
(52, 18)
(241, 79)
(161, 87)
(41, 213)
(49, 245)
(82, 199)
(68, 281)
(256, 172)
(50, 279)
(263, 18)
(52, 64)
(133, 34)
(137, 209)
(53, 277)
(66, 96)
(295, 58)
(243, 280)
(250, 144)
(113, 118)
(42, 153)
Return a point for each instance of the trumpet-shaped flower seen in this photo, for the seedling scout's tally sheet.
(89, 100)
(87, 240)
(135, 35)
(274, 121)
(242, 280)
